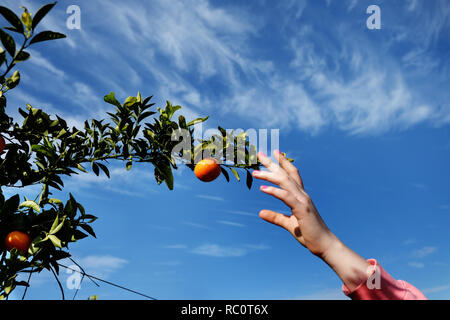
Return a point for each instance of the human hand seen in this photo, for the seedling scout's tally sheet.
(305, 223)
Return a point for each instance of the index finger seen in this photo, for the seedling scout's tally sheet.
(291, 170)
(266, 162)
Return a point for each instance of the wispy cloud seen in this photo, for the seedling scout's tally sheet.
(408, 242)
(214, 250)
(436, 289)
(418, 265)
(196, 225)
(231, 223)
(101, 266)
(209, 197)
(425, 251)
(242, 213)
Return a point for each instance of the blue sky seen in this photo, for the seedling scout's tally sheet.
(364, 113)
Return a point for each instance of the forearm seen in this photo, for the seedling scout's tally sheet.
(351, 268)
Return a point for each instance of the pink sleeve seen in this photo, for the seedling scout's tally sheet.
(381, 286)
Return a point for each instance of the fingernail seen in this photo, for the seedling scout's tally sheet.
(262, 154)
(264, 187)
(278, 152)
(256, 172)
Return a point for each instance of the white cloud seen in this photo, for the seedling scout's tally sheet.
(436, 289)
(231, 223)
(418, 265)
(214, 250)
(196, 225)
(242, 213)
(209, 197)
(425, 251)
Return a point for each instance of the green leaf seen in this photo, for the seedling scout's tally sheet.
(77, 235)
(111, 99)
(129, 165)
(22, 56)
(14, 80)
(55, 201)
(61, 133)
(8, 43)
(235, 174)
(198, 120)
(88, 229)
(46, 35)
(58, 227)
(30, 204)
(80, 167)
(41, 149)
(55, 223)
(91, 217)
(168, 176)
(249, 180)
(26, 18)
(55, 240)
(129, 102)
(11, 205)
(2, 56)
(95, 168)
(225, 174)
(41, 13)
(104, 168)
(12, 18)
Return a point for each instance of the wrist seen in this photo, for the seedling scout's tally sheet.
(331, 245)
(351, 268)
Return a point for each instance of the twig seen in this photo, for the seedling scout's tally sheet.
(59, 283)
(28, 282)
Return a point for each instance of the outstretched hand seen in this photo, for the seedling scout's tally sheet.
(305, 223)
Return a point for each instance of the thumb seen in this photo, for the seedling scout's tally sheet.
(276, 218)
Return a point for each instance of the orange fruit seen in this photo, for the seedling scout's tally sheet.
(2, 144)
(19, 240)
(207, 170)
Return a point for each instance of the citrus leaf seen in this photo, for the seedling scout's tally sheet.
(111, 99)
(198, 120)
(80, 167)
(22, 56)
(46, 35)
(55, 223)
(225, 174)
(95, 168)
(30, 204)
(104, 168)
(129, 165)
(12, 18)
(41, 13)
(88, 229)
(41, 149)
(129, 102)
(249, 180)
(26, 19)
(58, 227)
(55, 240)
(235, 174)
(8, 42)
